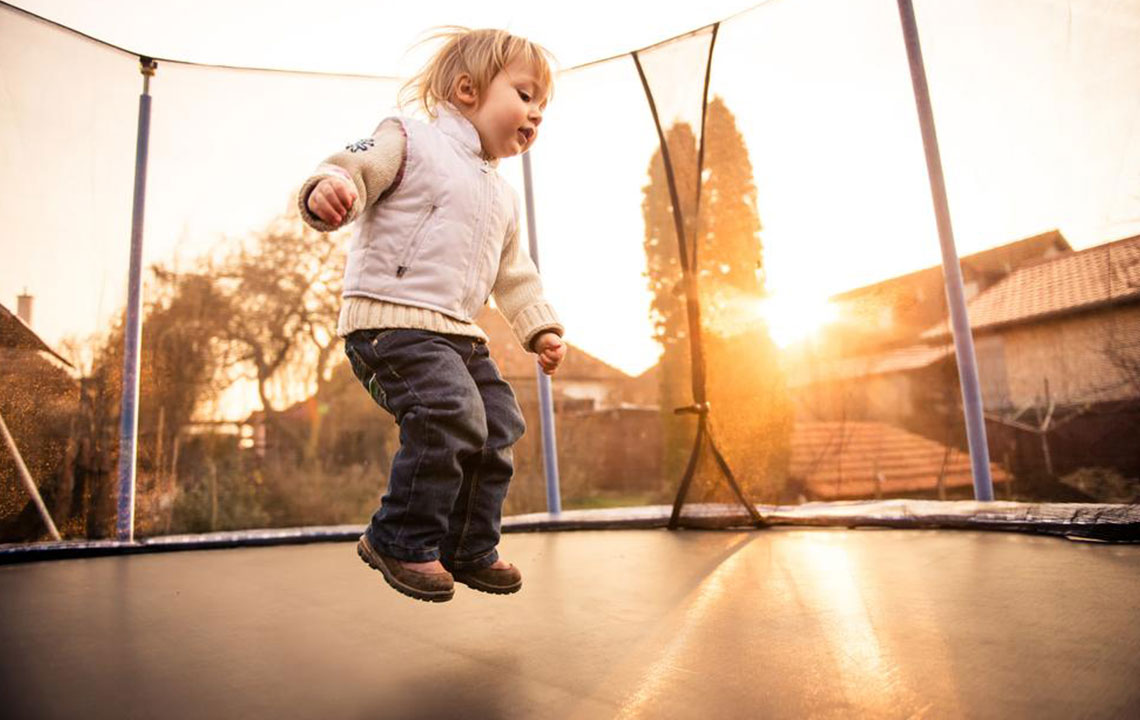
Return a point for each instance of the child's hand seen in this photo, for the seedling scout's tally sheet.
(332, 199)
(551, 350)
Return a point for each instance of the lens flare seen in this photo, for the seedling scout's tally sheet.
(793, 317)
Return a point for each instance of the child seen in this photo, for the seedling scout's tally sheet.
(439, 233)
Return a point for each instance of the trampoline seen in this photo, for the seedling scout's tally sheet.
(780, 622)
(716, 606)
(897, 610)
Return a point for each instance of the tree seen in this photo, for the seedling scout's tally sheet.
(179, 371)
(663, 272)
(750, 411)
(282, 290)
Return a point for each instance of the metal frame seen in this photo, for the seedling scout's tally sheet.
(132, 335)
(951, 270)
(29, 483)
(545, 391)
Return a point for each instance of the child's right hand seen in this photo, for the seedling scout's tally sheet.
(551, 351)
(332, 199)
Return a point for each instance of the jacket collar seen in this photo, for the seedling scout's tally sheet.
(452, 123)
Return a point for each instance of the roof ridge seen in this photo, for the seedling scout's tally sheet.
(1054, 234)
(1048, 288)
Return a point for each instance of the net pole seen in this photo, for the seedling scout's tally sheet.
(545, 390)
(132, 336)
(951, 270)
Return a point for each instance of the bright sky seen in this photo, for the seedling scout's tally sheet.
(1037, 105)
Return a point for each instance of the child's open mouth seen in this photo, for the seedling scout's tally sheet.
(525, 134)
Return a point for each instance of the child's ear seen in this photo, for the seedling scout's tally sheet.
(465, 91)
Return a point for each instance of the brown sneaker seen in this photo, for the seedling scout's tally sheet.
(491, 580)
(432, 587)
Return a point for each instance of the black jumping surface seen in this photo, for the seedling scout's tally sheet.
(783, 622)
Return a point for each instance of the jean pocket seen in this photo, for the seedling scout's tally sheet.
(367, 374)
(376, 392)
(366, 344)
(379, 336)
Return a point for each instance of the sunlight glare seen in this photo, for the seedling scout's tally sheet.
(795, 316)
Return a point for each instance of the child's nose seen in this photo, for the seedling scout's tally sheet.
(536, 115)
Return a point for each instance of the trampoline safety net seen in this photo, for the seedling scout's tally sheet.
(735, 226)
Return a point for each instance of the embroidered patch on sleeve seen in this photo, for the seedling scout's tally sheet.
(360, 145)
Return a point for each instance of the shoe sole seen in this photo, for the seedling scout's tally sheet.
(400, 587)
(484, 587)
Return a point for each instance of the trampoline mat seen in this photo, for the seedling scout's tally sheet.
(783, 622)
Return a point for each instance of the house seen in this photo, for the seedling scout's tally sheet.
(1058, 349)
(875, 363)
(860, 460)
(875, 366)
(16, 334)
(1057, 342)
(1062, 332)
(892, 313)
(891, 386)
(39, 401)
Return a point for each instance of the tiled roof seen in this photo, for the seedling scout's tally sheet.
(899, 360)
(840, 461)
(1099, 275)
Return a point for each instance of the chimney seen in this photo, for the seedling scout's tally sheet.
(24, 307)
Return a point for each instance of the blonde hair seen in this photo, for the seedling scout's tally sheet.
(482, 54)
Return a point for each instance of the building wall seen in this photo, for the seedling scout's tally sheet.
(993, 375)
(600, 392)
(1074, 354)
(885, 398)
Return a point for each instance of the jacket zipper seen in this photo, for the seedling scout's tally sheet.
(485, 197)
(417, 237)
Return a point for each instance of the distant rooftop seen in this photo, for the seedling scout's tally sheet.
(16, 335)
(1100, 276)
(842, 460)
(1000, 259)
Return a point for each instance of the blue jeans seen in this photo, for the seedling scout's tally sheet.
(458, 421)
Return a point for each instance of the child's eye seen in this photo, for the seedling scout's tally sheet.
(524, 95)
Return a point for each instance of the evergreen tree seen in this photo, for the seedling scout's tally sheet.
(751, 412)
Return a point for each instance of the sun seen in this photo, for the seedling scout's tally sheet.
(792, 317)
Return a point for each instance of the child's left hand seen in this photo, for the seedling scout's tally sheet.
(551, 351)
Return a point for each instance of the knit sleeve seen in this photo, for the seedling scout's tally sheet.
(518, 292)
(373, 165)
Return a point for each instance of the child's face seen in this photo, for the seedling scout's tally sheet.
(508, 114)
